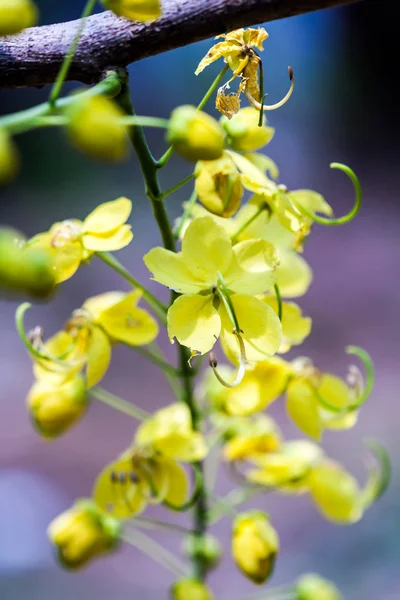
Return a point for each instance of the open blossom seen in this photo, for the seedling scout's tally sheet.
(204, 272)
(72, 242)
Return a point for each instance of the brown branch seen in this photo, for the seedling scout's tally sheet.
(33, 57)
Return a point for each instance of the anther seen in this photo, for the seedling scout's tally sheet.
(291, 74)
(35, 336)
(113, 477)
(122, 478)
(212, 359)
(133, 478)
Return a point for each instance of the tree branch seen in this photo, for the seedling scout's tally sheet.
(33, 57)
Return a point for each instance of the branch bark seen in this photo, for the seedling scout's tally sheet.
(33, 57)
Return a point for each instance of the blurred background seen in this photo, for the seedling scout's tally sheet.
(343, 109)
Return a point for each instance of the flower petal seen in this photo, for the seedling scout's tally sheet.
(194, 322)
(177, 482)
(169, 269)
(127, 323)
(99, 356)
(118, 239)
(97, 304)
(252, 268)
(293, 274)
(311, 201)
(218, 51)
(262, 330)
(302, 407)
(107, 216)
(206, 249)
(65, 259)
(295, 327)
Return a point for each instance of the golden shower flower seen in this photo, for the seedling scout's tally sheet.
(170, 432)
(71, 242)
(255, 545)
(295, 327)
(9, 157)
(194, 134)
(137, 478)
(190, 589)
(313, 587)
(218, 186)
(205, 272)
(244, 134)
(249, 438)
(95, 127)
(16, 15)
(83, 533)
(136, 10)
(55, 408)
(103, 320)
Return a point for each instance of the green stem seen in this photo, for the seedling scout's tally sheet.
(279, 300)
(245, 225)
(119, 404)
(145, 121)
(157, 552)
(167, 155)
(156, 360)
(172, 379)
(159, 308)
(156, 525)
(282, 592)
(57, 87)
(25, 120)
(186, 214)
(177, 186)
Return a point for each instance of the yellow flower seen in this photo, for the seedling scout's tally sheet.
(82, 533)
(170, 432)
(9, 157)
(55, 408)
(251, 438)
(72, 242)
(244, 134)
(16, 15)
(137, 478)
(237, 50)
(24, 268)
(136, 10)
(255, 545)
(194, 134)
(102, 320)
(95, 127)
(190, 589)
(288, 468)
(295, 327)
(336, 493)
(218, 186)
(207, 269)
(316, 401)
(313, 587)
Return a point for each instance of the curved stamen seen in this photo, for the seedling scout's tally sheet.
(263, 107)
(241, 369)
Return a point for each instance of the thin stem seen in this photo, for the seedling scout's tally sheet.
(227, 505)
(177, 186)
(282, 592)
(172, 380)
(119, 404)
(186, 214)
(24, 120)
(155, 551)
(167, 155)
(245, 225)
(156, 360)
(157, 525)
(146, 121)
(159, 308)
(62, 74)
(279, 300)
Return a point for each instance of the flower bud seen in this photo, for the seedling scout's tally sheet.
(136, 10)
(244, 134)
(96, 129)
(55, 407)
(218, 186)
(194, 134)
(190, 589)
(9, 159)
(24, 268)
(335, 492)
(16, 15)
(314, 587)
(82, 533)
(255, 545)
(206, 549)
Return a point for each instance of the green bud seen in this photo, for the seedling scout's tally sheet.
(194, 134)
(244, 134)
(206, 549)
(314, 587)
(16, 15)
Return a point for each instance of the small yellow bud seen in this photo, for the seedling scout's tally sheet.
(190, 589)
(82, 533)
(206, 549)
(16, 15)
(314, 587)
(9, 159)
(55, 407)
(244, 134)
(136, 10)
(96, 129)
(255, 545)
(218, 186)
(23, 268)
(194, 134)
